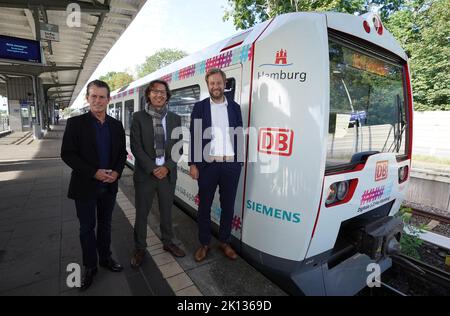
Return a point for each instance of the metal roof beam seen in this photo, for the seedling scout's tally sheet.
(35, 70)
(59, 94)
(98, 27)
(30, 19)
(18, 33)
(12, 13)
(57, 85)
(125, 6)
(57, 5)
(61, 99)
(5, 23)
(118, 16)
(71, 51)
(59, 91)
(70, 88)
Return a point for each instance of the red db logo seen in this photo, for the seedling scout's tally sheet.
(381, 170)
(275, 141)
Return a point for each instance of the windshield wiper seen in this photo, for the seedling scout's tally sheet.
(400, 122)
(398, 126)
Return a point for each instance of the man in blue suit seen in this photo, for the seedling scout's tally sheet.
(216, 156)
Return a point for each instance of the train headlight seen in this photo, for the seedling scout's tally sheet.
(342, 190)
(403, 174)
(332, 194)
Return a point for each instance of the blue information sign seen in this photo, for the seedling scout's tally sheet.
(20, 49)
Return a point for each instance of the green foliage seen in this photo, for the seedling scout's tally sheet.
(423, 29)
(68, 111)
(160, 59)
(116, 80)
(409, 243)
(431, 159)
(421, 26)
(246, 13)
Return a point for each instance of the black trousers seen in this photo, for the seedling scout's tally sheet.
(91, 213)
(226, 176)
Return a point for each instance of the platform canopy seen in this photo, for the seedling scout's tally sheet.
(86, 31)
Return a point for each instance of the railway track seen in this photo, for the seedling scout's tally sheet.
(411, 277)
(421, 277)
(384, 290)
(439, 217)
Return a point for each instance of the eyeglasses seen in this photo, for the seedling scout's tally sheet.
(161, 92)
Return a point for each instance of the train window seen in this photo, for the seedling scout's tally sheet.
(230, 88)
(236, 40)
(111, 110)
(118, 111)
(142, 103)
(182, 102)
(129, 109)
(367, 105)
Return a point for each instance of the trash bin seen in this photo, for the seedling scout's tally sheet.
(37, 132)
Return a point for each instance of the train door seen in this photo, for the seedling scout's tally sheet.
(233, 89)
(128, 119)
(234, 82)
(118, 112)
(111, 110)
(129, 109)
(142, 99)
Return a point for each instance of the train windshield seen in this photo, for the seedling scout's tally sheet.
(367, 106)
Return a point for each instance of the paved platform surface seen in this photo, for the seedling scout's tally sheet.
(39, 236)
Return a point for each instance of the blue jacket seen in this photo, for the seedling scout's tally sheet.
(202, 110)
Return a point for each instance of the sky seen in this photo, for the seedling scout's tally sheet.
(185, 25)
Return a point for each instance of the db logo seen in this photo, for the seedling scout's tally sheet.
(275, 141)
(197, 200)
(381, 170)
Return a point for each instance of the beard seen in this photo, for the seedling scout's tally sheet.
(216, 94)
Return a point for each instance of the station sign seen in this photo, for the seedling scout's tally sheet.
(20, 49)
(49, 32)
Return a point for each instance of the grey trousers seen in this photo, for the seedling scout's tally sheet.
(144, 194)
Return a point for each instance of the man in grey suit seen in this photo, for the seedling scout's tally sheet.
(155, 169)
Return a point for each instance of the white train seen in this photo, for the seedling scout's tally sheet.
(327, 96)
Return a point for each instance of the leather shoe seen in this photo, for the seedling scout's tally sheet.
(201, 253)
(174, 250)
(111, 265)
(88, 278)
(138, 257)
(228, 251)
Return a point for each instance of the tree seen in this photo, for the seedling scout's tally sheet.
(421, 26)
(161, 58)
(116, 80)
(246, 13)
(423, 30)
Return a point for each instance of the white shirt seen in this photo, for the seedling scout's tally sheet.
(221, 143)
(161, 160)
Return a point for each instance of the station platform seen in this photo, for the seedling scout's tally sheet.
(39, 236)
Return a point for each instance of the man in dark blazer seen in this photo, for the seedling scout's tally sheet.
(215, 159)
(155, 171)
(94, 147)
